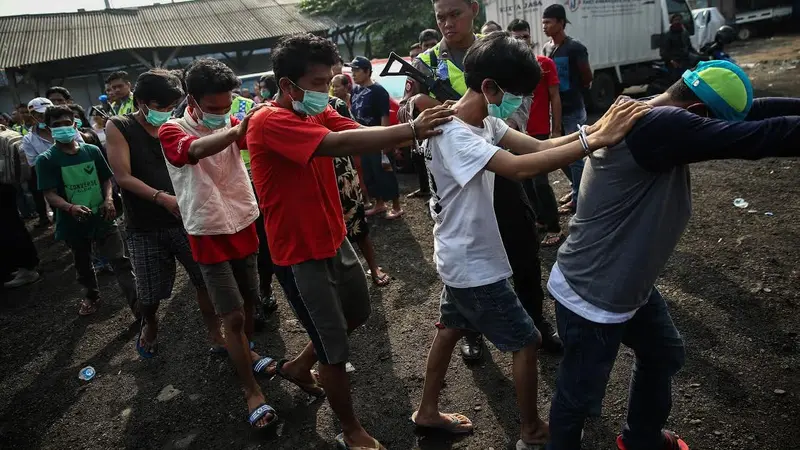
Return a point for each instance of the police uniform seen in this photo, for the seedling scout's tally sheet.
(239, 108)
(124, 107)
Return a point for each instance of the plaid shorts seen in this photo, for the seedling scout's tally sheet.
(153, 254)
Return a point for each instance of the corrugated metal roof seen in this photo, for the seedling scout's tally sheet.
(26, 40)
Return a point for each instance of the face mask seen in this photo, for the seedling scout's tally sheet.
(64, 135)
(214, 121)
(41, 125)
(266, 95)
(158, 118)
(676, 26)
(507, 106)
(313, 102)
(79, 123)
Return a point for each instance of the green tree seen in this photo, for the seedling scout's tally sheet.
(390, 25)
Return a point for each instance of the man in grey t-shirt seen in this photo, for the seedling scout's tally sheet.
(635, 205)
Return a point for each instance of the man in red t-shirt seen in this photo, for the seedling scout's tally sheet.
(219, 209)
(292, 142)
(546, 100)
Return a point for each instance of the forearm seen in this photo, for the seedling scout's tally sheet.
(108, 190)
(528, 166)
(136, 186)
(211, 145)
(555, 105)
(365, 140)
(56, 201)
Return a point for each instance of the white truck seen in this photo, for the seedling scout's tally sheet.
(622, 36)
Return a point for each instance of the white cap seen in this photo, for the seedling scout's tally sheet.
(39, 104)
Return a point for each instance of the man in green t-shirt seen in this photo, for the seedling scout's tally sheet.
(76, 182)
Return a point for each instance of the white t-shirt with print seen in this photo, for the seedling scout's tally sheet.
(467, 246)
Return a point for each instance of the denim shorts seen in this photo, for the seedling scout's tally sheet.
(492, 310)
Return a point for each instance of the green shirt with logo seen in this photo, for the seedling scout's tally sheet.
(79, 179)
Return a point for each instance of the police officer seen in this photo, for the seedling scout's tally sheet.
(515, 216)
(119, 84)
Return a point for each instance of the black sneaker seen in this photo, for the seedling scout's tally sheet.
(472, 347)
(551, 343)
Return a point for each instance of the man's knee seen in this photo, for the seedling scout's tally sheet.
(669, 360)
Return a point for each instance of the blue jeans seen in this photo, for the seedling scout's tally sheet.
(590, 350)
(570, 122)
(492, 310)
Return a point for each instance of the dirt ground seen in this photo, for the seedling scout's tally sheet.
(732, 286)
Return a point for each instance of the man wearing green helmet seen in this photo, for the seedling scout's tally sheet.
(635, 204)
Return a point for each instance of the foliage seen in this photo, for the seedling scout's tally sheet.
(394, 25)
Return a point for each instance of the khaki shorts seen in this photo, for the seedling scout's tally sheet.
(232, 283)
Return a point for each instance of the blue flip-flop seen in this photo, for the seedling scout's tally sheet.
(259, 413)
(221, 350)
(260, 366)
(140, 348)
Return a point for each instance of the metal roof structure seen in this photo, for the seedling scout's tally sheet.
(42, 38)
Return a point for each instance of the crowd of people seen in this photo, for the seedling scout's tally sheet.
(239, 188)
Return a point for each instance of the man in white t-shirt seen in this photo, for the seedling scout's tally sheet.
(468, 250)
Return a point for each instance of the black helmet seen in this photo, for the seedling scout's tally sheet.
(725, 35)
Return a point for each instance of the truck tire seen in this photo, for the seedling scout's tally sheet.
(745, 32)
(604, 91)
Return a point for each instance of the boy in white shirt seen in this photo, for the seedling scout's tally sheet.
(468, 250)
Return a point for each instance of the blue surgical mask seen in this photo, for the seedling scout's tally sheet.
(41, 125)
(313, 102)
(64, 135)
(78, 123)
(266, 94)
(507, 106)
(158, 118)
(214, 121)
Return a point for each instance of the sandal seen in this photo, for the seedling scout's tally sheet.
(522, 445)
(259, 414)
(313, 389)
(375, 210)
(459, 424)
(671, 441)
(380, 281)
(88, 307)
(567, 208)
(394, 214)
(552, 239)
(261, 366)
(342, 445)
(149, 349)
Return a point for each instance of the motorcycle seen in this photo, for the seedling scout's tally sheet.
(715, 50)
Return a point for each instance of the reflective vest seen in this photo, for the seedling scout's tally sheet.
(125, 107)
(445, 69)
(239, 108)
(21, 129)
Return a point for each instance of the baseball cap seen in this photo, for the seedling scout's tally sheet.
(723, 87)
(361, 63)
(557, 12)
(39, 104)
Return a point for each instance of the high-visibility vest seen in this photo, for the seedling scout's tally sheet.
(21, 129)
(239, 108)
(125, 107)
(445, 69)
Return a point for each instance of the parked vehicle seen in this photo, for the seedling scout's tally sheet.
(623, 36)
(754, 16)
(714, 50)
